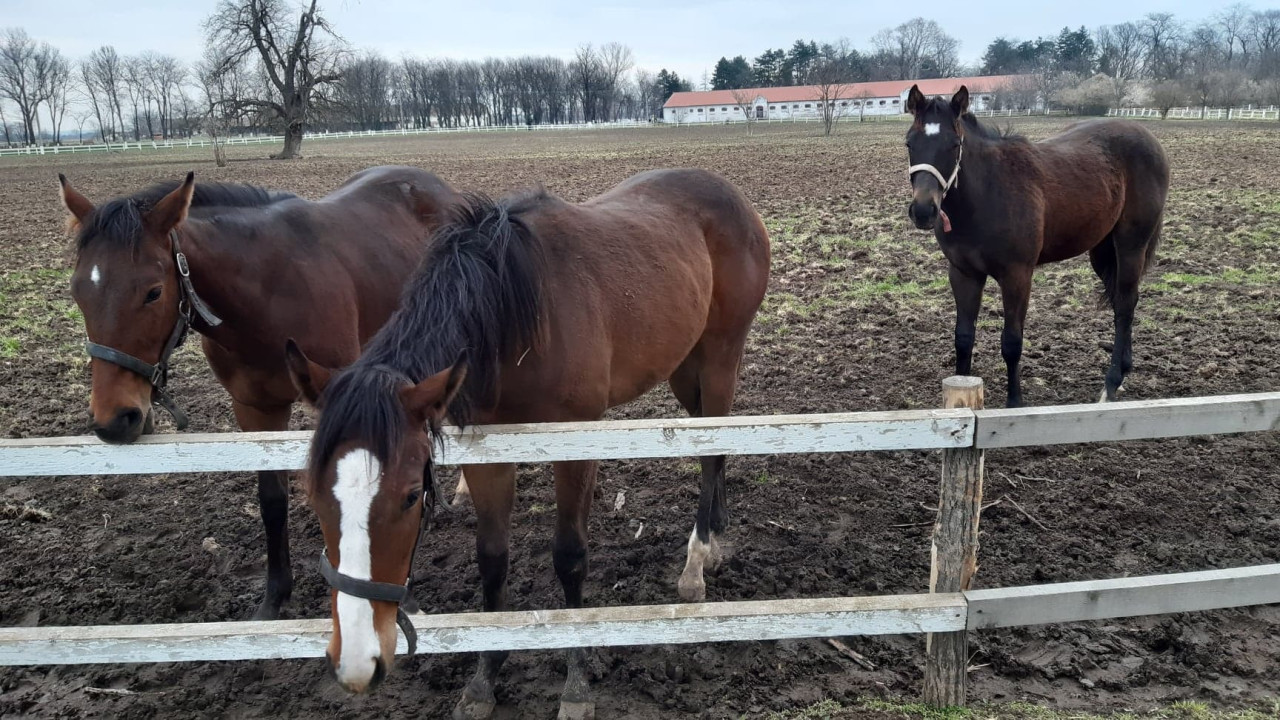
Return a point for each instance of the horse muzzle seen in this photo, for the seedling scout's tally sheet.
(924, 213)
(126, 426)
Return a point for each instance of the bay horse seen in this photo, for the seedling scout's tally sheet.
(245, 268)
(528, 309)
(1000, 205)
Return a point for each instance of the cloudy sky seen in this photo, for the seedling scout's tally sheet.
(685, 35)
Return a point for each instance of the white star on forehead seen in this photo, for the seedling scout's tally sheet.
(932, 128)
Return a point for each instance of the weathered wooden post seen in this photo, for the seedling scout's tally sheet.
(955, 549)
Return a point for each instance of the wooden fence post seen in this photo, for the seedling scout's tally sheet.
(954, 553)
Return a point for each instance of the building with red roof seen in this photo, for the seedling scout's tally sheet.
(799, 102)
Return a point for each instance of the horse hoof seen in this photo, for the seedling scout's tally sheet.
(577, 710)
(266, 611)
(692, 590)
(472, 709)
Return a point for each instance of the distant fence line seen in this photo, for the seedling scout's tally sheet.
(1200, 113)
(202, 142)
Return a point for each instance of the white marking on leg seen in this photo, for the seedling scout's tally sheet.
(692, 586)
(461, 491)
(95, 277)
(932, 128)
(1103, 397)
(358, 472)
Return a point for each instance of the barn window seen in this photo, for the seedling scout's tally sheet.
(895, 102)
(724, 109)
(807, 106)
(844, 103)
(795, 107)
(700, 109)
(881, 102)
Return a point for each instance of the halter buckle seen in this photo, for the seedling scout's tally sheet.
(183, 269)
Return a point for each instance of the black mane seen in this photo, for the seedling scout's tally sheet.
(478, 294)
(120, 220)
(942, 106)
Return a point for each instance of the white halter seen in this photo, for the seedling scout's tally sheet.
(947, 183)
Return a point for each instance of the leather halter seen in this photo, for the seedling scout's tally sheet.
(946, 182)
(381, 591)
(158, 374)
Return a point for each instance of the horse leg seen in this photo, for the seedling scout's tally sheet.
(1015, 293)
(967, 291)
(493, 492)
(716, 383)
(575, 485)
(1129, 269)
(461, 491)
(273, 504)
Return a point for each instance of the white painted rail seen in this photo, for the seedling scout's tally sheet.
(542, 442)
(1136, 420)
(476, 632)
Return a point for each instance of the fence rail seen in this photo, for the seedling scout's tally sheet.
(203, 142)
(1199, 113)
(962, 433)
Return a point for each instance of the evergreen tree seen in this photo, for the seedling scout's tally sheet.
(1075, 52)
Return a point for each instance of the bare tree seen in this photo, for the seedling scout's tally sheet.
(1121, 58)
(53, 78)
(364, 92)
(616, 61)
(1162, 35)
(1236, 35)
(588, 79)
(745, 100)
(830, 81)
(101, 75)
(915, 49)
(18, 77)
(1167, 95)
(299, 58)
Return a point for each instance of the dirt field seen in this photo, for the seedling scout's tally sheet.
(858, 318)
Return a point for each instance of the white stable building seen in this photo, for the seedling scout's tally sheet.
(803, 101)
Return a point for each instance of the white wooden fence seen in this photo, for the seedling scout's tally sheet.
(962, 433)
(204, 141)
(1200, 113)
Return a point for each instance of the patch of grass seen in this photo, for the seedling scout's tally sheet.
(762, 478)
(9, 347)
(818, 711)
(918, 710)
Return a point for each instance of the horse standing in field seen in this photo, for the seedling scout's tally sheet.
(246, 268)
(528, 310)
(1000, 205)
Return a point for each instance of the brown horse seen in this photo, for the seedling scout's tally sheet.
(246, 268)
(528, 310)
(1000, 205)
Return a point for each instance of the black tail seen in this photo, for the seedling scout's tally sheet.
(1105, 263)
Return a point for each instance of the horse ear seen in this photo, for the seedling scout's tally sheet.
(171, 210)
(960, 101)
(427, 402)
(76, 204)
(309, 378)
(915, 99)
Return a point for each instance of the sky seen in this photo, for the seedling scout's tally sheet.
(686, 36)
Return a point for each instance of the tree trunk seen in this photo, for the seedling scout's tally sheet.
(292, 142)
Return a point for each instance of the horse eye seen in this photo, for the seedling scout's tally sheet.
(412, 499)
(153, 295)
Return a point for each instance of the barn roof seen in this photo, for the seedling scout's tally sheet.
(850, 91)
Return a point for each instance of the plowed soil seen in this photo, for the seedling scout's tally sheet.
(858, 318)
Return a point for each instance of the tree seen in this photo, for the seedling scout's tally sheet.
(53, 82)
(829, 79)
(364, 92)
(731, 74)
(800, 60)
(1001, 58)
(1166, 95)
(1161, 35)
(915, 49)
(101, 75)
(1120, 58)
(616, 60)
(1074, 52)
(299, 58)
(767, 70)
(745, 99)
(18, 77)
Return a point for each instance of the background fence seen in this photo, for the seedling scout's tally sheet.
(962, 430)
(1200, 113)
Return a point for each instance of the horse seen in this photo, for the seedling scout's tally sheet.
(527, 309)
(245, 268)
(1000, 205)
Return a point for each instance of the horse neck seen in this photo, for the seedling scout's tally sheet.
(226, 272)
(978, 157)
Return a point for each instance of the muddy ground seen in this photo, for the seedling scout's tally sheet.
(858, 318)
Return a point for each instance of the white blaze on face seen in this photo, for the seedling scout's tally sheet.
(95, 277)
(357, 484)
(932, 128)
